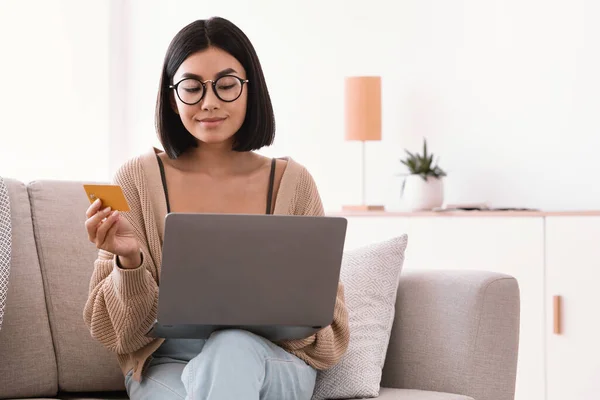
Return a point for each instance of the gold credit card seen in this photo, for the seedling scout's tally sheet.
(111, 196)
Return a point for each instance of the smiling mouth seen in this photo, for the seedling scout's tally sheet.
(211, 122)
(212, 119)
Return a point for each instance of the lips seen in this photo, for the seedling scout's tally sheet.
(215, 119)
(211, 123)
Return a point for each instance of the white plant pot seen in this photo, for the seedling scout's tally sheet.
(419, 195)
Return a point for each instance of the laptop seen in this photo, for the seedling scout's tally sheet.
(273, 275)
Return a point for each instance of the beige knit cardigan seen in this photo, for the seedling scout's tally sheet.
(122, 303)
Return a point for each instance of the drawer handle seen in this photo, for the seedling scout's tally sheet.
(557, 305)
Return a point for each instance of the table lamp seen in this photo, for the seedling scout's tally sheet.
(362, 117)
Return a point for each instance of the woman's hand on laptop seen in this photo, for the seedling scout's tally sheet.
(109, 231)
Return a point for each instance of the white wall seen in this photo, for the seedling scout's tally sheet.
(54, 94)
(506, 91)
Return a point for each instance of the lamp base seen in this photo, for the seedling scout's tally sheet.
(363, 207)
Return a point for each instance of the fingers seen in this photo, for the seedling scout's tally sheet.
(91, 224)
(93, 208)
(105, 226)
(112, 231)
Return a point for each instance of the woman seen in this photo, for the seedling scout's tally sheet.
(213, 111)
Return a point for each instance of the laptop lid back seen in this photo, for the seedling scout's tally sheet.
(232, 269)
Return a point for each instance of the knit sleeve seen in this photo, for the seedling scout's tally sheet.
(325, 348)
(122, 303)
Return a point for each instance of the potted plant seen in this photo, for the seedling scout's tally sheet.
(423, 187)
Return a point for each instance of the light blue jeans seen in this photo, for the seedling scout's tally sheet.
(231, 364)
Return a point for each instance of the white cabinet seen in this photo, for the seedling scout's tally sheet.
(550, 254)
(511, 245)
(573, 274)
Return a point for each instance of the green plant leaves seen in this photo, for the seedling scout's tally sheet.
(423, 164)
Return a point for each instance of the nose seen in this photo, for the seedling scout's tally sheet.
(210, 100)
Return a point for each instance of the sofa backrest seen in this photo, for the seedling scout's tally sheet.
(67, 262)
(45, 346)
(27, 358)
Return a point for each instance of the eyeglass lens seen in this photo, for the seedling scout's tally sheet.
(227, 88)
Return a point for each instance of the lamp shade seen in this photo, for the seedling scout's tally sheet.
(362, 108)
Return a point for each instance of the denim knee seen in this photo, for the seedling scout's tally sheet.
(237, 343)
(236, 337)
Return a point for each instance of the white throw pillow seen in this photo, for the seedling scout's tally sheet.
(370, 275)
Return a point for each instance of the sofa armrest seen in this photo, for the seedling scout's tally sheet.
(455, 332)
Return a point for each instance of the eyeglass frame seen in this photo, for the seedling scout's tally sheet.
(213, 84)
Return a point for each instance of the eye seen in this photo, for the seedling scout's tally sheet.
(192, 89)
(190, 86)
(227, 83)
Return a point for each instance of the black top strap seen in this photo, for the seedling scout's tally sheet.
(164, 182)
(271, 182)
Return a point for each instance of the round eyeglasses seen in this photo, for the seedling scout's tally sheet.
(191, 90)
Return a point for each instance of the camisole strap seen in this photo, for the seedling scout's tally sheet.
(164, 182)
(271, 182)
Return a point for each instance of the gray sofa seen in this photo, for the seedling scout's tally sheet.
(455, 334)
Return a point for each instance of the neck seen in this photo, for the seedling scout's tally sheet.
(215, 159)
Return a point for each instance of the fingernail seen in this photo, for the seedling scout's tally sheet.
(116, 214)
(107, 209)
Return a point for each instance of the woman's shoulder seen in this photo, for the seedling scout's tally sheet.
(292, 168)
(137, 171)
(298, 190)
(296, 172)
(140, 179)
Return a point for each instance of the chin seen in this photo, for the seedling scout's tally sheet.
(214, 138)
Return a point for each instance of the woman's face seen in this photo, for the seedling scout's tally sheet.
(212, 120)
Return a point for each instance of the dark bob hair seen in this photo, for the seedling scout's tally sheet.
(258, 129)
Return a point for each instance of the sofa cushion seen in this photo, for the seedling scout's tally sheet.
(385, 394)
(99, 397)
(408, 394)
(94, 396)
(370, 275)
(27, 360)
(85, 396)
(67, 261)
